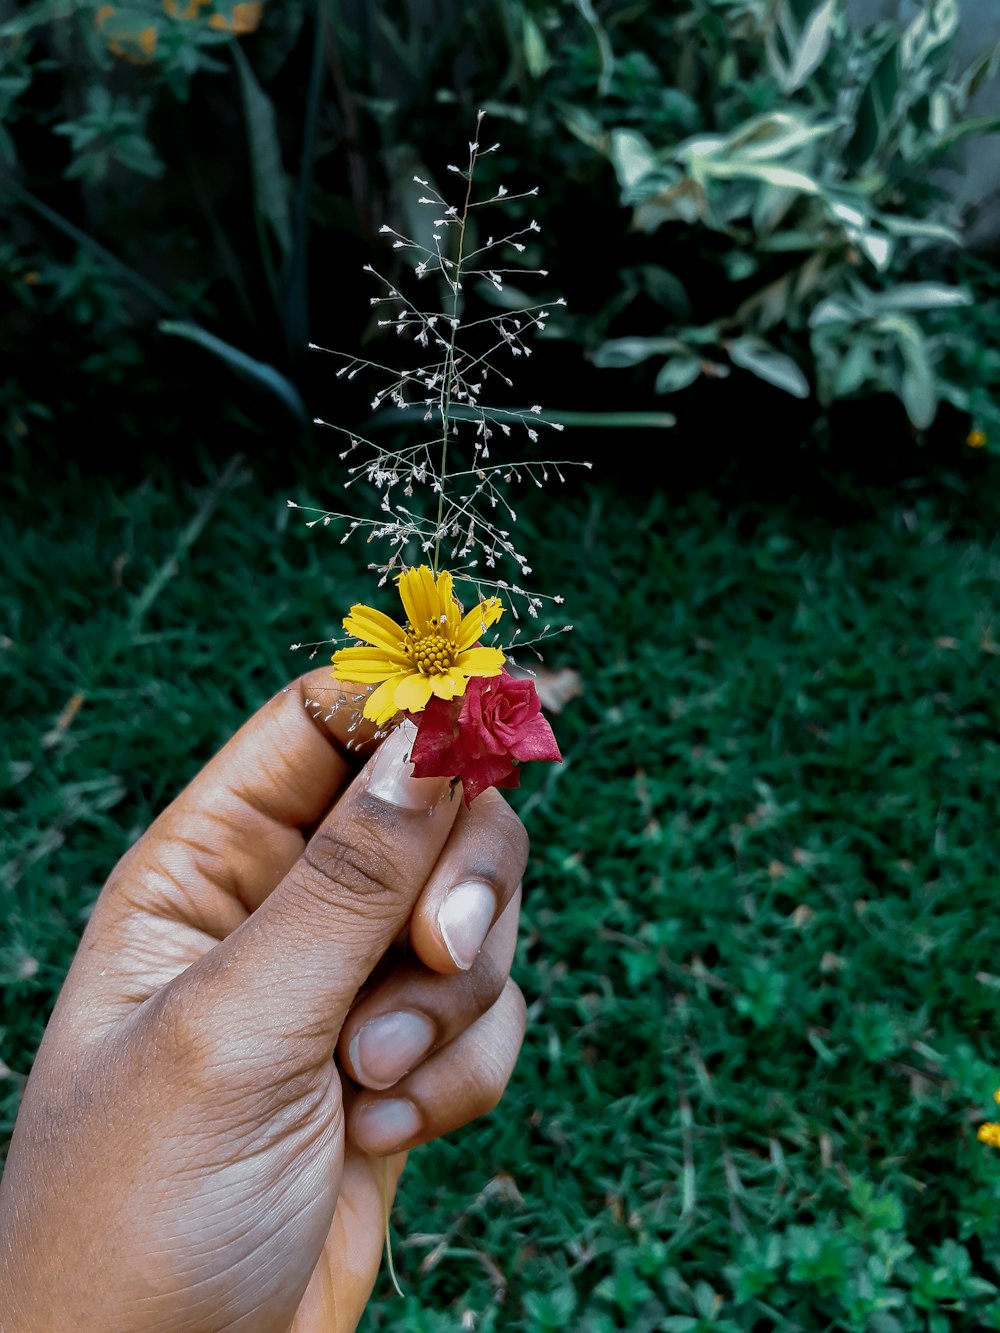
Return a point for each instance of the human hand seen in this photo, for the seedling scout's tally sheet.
(189, 1155)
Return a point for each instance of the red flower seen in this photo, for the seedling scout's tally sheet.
(482, 737)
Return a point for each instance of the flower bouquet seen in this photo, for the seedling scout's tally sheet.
(441, 664)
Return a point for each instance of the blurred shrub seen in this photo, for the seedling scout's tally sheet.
(130, 173)
(784, 161)
(729, 185)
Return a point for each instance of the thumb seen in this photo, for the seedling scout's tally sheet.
(294, 967)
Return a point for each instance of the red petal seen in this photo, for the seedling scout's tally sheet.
(489, 771)
(535, 741)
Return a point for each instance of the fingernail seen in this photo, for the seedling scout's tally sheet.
(390, 774)
(389, 1046)
(385, 1125)
(465, 919)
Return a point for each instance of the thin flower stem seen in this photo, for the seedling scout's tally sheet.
(388, 1236)
(447, 387)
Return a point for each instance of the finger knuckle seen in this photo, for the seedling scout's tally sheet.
(513, 835)
(500, 840)
(513, 996)
(360, 870)
(484, 984)
(186, 1043)
(217, 1058)
(490, 1087)
(497, 1064)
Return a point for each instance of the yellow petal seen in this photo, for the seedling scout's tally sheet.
(364, 622)
(480, 662)
(365, 665)
(449, 611)
(413, 692)
(449, 686)
(477, 622)
(428, 601)
(381, 704)
(419, 596)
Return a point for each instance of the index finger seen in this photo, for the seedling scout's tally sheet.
(217, 851)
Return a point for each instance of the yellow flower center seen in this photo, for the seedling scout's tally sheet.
(431, 654)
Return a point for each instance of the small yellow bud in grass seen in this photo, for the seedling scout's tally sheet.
(996, 1096)
(989, 1133)
(976, 439)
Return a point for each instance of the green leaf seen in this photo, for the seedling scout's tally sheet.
(684, 201)
(136, 152)
(784, 242)
(632, 157)
(876, 106)
(920, 229)
(814, 44)
(706, 1301)
(922, 296)
(877, 247)
(244, 365)
(918, 389)
(963, 128)
(740, 169)
(270, 185)
(604, 49)
(855, 368)
(585, 127)
(677, 374)
(45, 11)
(663, 287)
(620, 352)
(761, 138)
(934, 26)
(612, 420)
(838, 310)
(981, 72)
(551, 1310)
(639, 967)
(755, 355)
(593, 420)
(536, 55)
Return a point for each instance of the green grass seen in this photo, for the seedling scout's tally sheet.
(761, 948)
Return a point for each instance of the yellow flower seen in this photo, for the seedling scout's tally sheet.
(433, 655)
(989, 1133)
(123, 38)
(976, 439)
(243, 19)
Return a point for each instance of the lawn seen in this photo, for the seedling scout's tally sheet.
(760, 949)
